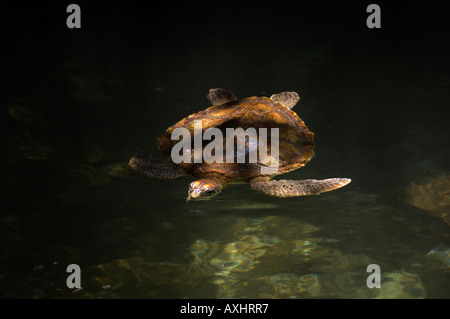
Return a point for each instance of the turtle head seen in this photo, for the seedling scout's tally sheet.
(203, 189)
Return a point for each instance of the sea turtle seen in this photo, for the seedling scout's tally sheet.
(295, 145)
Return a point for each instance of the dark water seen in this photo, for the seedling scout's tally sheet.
(79, 103)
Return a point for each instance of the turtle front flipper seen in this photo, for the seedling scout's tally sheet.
(149, 166)
(290, 188)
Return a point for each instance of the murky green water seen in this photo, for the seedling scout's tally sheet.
(79, 103)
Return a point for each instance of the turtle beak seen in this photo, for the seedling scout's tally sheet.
(193, 195)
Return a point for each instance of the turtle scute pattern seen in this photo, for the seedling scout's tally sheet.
(296, 142)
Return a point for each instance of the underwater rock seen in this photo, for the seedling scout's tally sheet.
(400, 285)
(203, 250)
(439, 258)
(242, 255)
(289, 285)
(97, 175)
(276, 257)
(433, 197)
(394, 285)
(117, 169)
(136, 272)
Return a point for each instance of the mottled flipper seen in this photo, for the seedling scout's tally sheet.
(287, 99)
(220, 96)
(290, 188)
(149, 166)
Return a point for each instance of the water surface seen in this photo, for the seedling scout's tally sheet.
(79, 103)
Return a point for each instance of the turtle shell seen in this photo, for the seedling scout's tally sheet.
(296, 142)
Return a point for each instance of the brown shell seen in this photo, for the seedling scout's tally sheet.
(296, 142)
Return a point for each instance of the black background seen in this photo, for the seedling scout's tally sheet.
(216, 39)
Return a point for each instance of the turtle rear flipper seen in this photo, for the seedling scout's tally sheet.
(149, 166)
(290, 188)
(220, 96)
(287, 99)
